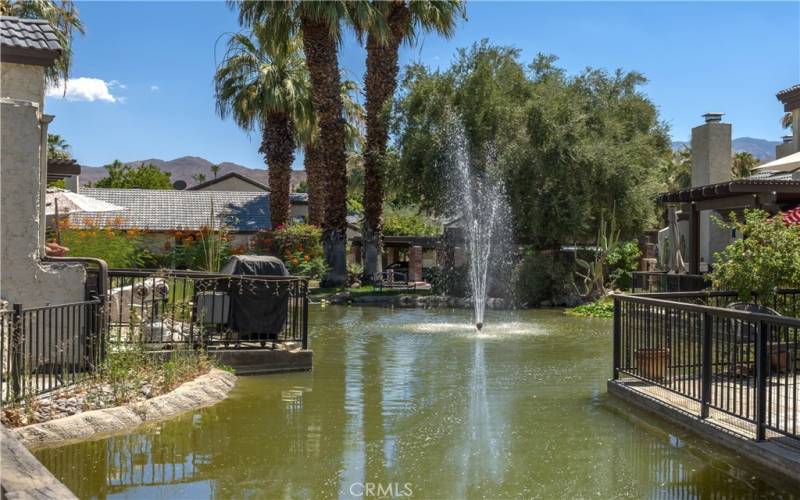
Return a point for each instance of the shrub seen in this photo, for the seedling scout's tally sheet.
(622, 260)
(298, 245)
(544, 276)
(764, 259)
(119, 248)
(453, 282)
(601, 308)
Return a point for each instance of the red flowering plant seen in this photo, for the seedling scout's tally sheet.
(298, 245)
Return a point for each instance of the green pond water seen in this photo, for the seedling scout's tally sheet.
(416, 403)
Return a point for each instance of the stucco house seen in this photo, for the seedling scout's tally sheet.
(236, 182)
(714, 192)
(27, 48)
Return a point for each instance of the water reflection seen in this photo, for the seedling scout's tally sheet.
(509, 415)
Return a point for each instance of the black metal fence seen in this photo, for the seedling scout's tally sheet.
(45, 348)
(50, 347)
(740, 364)
(168, 308)
(654, 282)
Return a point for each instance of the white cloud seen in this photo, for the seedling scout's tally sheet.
(154, 88)
(115, 83)
(85, 89)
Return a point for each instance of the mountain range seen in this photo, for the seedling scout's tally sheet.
(187, 167)
(762, 149)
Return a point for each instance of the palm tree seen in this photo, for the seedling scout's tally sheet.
(677, 172)
(308, 135)
(62, 16)
(320, 24)
(787, 120)
(265, 84)
(57, 147)
(403, 19)
(214, 170)
(199, 178)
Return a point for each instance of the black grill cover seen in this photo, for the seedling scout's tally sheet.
(259, 309)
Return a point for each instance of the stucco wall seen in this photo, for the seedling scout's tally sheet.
(233, 184)
(23, 279)
(22, 81)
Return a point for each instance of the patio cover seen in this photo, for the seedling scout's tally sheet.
(789, 163)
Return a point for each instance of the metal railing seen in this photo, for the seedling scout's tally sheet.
(656, 282)
(740, 364)
(49, 347)
(170, 308)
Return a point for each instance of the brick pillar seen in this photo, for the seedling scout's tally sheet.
(415, 263)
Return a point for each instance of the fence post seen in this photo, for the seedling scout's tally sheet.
(761, 382)
(305, 314)
(617, 342)
(706, 365)
(16, 350)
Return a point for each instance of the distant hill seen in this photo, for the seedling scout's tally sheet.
(184, 168)
(762, 149)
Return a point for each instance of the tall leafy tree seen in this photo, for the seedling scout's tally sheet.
(263, 83)
(320, 24)
(569, 148)
(124, 176)
(404, 20)
(62, 16)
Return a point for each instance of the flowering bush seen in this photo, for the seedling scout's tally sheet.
(764, 259)
(118, 247)
(298, 245)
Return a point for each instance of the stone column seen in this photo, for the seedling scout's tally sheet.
(415, 263)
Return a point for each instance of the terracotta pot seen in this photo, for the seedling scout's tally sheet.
(652, 363)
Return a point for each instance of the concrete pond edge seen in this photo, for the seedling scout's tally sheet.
(203, 391)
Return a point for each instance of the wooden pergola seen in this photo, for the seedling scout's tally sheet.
(770, 195)
(58, 169)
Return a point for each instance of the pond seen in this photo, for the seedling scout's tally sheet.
(415, 403)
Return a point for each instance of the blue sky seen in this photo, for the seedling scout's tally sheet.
(147, 67)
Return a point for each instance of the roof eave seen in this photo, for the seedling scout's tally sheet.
(34, 57)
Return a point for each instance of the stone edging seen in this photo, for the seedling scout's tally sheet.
(24, 477)
(413, 300)
(203, 391)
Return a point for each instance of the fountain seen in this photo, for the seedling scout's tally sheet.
(480, 200)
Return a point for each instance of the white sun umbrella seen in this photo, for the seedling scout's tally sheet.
(789, 163)
(60, 202)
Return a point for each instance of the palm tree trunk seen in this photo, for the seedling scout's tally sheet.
(323, 69)
(380, 82)
(277, 146)
(315, 179)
